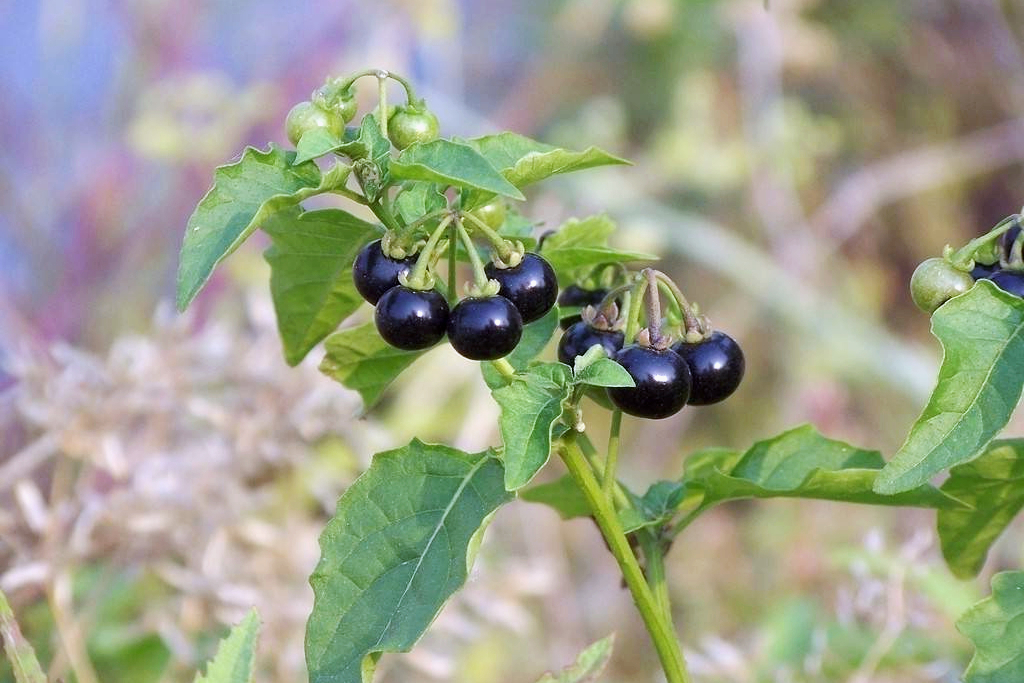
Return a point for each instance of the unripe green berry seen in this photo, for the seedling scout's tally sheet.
(492, 213)
(935, 282)
(306, 116)
(408, 126)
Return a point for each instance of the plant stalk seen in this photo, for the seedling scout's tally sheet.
(660, 628)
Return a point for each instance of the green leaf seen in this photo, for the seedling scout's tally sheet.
(603, 372)
(394, 552)
(993, 485)
(523, 161)
(18, 650)
(561, 495)
(589, 665)
(451, 163)
(418, 199)
(243, 195)
(358, 358)
(979, 385)
(235, 661)
(579, 244)
(531, 404)
(536, 336)
(996, 627)
(801, 463)
(315, 143)
(311, 274)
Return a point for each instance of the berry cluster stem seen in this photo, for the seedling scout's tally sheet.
(653, 614)
(382, 102)
(502, 247)
(418, 277)
(479, 275)
(653, 306)
(381, 75)
(635, 304)
(690, 321)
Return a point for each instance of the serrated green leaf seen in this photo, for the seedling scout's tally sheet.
(235, 661)
(996, 627)
(979, 385)
(243, 195)
(311, 274)
(536, 336)
(362, 361)
(801, 463)
(394, 552)
(530, 407)
(19, 651)
(993, 485)
(524, 161)
(451, 163)
(604, 372)
(588, 666)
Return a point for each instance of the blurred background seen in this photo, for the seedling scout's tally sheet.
(161, 474)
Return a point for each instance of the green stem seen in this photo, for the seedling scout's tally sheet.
(660, 629)
(453, 248)
(636, 303)
(966, 253)
(380, 75)
(418, 277)
(410, 93)
(382, 102)
(622, 501)
(19, 652)
(608, 479)
(502, 247)
(690, 321)
(480, 278)
(504, 367)
(655, 565)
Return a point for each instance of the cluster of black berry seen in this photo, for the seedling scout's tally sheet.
(482, 327)
(1005, 272)
(705, 366)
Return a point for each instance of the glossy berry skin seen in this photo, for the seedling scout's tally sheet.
(662, 382)
(374, 272)
(1007, 240)
(411, 319)
(1010, 281)
(531, 285)
(306, 116)
(408, 126)
(581, 336)
(484, 328)
(574, 295)
(716, 367)
(983, 272)
(935, 281)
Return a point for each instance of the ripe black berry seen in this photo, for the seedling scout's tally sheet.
(716, 367)
(574, 295)
(662, 382)
(983, 272)
(581, 336)
(1010, 281)
(485, 328)
(375, 273)
(531, 285)
(411, 319)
